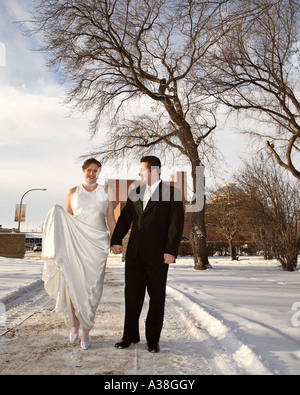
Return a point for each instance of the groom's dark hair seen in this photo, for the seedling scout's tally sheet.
(152, 161)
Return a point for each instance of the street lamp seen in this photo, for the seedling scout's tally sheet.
(20, 210)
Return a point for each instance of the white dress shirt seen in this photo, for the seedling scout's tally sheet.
(149, 192)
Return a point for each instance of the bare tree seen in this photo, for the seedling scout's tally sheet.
(273, 209)
(256, 222)
(254, 69)
(225, 212)
(114, 52)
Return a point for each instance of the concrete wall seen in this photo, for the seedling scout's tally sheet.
(12, 245)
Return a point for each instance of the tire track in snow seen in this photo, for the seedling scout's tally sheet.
(226, 345)
(23, 304)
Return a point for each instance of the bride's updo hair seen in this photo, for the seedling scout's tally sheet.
(89, 162)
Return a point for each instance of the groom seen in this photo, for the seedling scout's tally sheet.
(155, 211)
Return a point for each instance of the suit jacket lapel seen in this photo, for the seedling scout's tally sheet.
(139, 203)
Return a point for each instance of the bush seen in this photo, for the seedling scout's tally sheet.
(185, 249)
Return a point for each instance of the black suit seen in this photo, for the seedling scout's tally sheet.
(155, 231)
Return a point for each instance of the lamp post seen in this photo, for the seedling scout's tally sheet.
(20, 211)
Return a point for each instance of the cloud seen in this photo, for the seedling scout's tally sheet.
(39, 148)
(2, 55)
(27, 117)
(24, 66)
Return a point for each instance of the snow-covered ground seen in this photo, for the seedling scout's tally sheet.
(247, 305)
(236, 318)
(18, 273)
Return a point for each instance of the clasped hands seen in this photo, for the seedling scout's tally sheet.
(118, 249)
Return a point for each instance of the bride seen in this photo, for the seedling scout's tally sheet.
(75, 249)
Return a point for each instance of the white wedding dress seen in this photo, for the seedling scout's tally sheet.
(75, 250)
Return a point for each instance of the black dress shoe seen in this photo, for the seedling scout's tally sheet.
(125, 344)
(153, 347)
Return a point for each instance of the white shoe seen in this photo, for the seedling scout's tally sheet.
(73, 337)
(85, 345)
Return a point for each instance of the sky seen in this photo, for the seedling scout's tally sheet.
(40, 142)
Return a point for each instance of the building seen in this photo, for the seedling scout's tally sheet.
(227, 192)
(33, 241)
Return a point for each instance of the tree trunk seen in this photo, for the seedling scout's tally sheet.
(232, 250)
(198, 229)
(198, 240)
